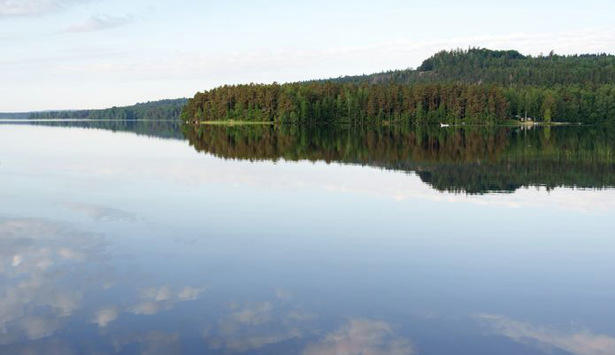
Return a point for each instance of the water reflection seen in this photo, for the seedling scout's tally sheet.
(55, 280)
(580, 341)
(169, 129)
(120, 243)
(52, 278)
(37, 257)
(252, 326)
(471, 160)
(362, 336)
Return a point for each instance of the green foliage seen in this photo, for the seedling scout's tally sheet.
(154, 110)
(505, 68)
(473, 86)
(350, 103)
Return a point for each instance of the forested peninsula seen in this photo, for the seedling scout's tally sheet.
(474, 86)
(153, 110)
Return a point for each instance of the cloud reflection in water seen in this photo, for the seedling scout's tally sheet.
(362, 337)
(578, 342)
(51, 273)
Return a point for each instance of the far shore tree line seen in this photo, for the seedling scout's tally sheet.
(421, 103)
(154, 110)
(473, 86)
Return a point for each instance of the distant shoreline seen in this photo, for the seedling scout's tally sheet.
(510, 123)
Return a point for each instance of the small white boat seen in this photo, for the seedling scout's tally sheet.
(442, 125)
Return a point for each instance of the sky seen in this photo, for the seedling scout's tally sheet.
(79, 54)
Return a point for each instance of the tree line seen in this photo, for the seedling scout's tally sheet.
(421, 103)
(506, 68)
(154, 110)
(461, 86)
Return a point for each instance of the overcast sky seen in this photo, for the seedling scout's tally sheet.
(71, 54)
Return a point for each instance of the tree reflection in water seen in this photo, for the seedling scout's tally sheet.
(472, 160)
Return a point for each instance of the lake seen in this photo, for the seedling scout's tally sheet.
(135, 237)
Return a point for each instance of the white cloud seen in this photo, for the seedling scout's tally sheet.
(258, 314)
(289, 65)
(163, 293)
(99, 23)
(253, 326)
(40, 327)
(101, 213)
(105, 316)
(148, 308)
(577, 342)
(15, 8)
(30, 249)
(360, 337)
(163, 298)
(36, 260)
(189, 293)
(183, 71)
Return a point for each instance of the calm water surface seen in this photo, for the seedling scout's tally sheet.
(132, 238)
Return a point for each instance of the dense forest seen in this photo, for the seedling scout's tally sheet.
(154, 110)
(505, 68)
(460, 86)
(471, 160)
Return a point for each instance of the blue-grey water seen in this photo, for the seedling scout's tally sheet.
(113, 242)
